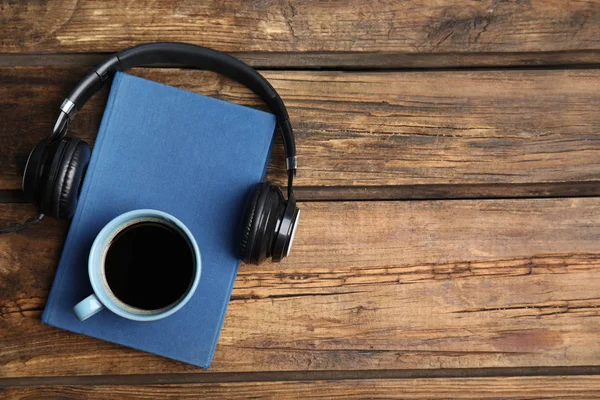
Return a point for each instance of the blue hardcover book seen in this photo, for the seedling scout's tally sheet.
(189, 155)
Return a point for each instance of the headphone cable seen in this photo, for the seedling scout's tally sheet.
(24, 225)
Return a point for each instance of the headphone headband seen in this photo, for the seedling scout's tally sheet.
(183, 55)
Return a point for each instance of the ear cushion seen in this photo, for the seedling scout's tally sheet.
(265, 224)
(54, 156)
(248, 220)
(33, 170)
(68, 178)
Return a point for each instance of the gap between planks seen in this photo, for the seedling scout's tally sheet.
(208, 377)
(366, 61)
(420, 192)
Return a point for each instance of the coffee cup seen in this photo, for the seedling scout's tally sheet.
(144, 265)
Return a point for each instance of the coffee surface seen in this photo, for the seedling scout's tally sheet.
(149, 265)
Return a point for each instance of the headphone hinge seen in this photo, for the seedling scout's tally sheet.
(61, 125)
(291, 163)
(68, 107)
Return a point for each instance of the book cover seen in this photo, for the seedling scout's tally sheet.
(190, 155)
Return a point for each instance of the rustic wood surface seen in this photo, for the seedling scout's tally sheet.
(557, 387)
(484, 284)
(370, 129)
(400, 29)
(371, 285)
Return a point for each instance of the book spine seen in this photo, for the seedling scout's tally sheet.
(64, 258)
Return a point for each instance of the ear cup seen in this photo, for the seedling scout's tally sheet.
(65, 165)
(33, 170)
(248, 218)
(264, 205)
(45, 186)
(286, 230)
(266, 221)
(254, 205)
(69, 177)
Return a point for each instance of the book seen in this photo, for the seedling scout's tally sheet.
(190, 155)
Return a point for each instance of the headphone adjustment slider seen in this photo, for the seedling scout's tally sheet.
(291, 162)
(68, 107)
(104, 76)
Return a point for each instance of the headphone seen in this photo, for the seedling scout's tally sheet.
(56, 166)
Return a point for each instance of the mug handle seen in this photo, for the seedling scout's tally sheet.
(87, 307)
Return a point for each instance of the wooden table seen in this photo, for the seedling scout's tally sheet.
(449, 181)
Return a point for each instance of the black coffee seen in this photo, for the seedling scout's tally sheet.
(149, 265)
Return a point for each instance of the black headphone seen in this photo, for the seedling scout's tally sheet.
(56, 166)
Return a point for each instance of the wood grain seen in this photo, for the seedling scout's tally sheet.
(369, 285)
(363, 130)
(400, 30)
(559, 387)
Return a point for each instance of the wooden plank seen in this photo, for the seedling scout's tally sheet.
(556, 387)
(369, 285)
(404, 29)
(363, 130)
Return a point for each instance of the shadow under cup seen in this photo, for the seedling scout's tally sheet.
(148, 265)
